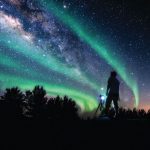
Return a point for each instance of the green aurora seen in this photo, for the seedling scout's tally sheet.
(86, 101)
(81, 32)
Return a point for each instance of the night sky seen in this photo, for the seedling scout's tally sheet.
(71, 46)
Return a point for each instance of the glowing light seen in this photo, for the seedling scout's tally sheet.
(102, 97)
(65, 6)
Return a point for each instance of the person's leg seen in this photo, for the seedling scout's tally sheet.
(108, 103)
(115, 101)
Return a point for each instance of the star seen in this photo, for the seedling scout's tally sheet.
(102, 89)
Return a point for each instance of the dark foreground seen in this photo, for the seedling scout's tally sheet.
(114, 134)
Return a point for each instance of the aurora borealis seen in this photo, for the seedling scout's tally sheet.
(47, 42)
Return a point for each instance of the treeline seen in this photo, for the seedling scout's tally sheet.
(14, 104)
(35, 104)
(130, 114)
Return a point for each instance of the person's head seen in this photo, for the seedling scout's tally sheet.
(113, 74)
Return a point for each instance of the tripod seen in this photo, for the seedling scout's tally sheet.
(101, 103)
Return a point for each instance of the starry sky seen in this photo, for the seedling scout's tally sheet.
(71, 46)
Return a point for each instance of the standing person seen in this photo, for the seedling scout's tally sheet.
(112, 92)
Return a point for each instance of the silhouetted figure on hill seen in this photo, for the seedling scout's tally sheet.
(112, 92)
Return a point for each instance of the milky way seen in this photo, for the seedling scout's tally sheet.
(42, 43)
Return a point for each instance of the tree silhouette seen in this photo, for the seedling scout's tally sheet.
(142, 113)
(35, 104)
(36, 101)
(69, 107)
(59, 108)
(12, 102)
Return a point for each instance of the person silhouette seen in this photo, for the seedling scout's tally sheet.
(112, 92)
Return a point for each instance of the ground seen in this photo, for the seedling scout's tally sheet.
(75, 135)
